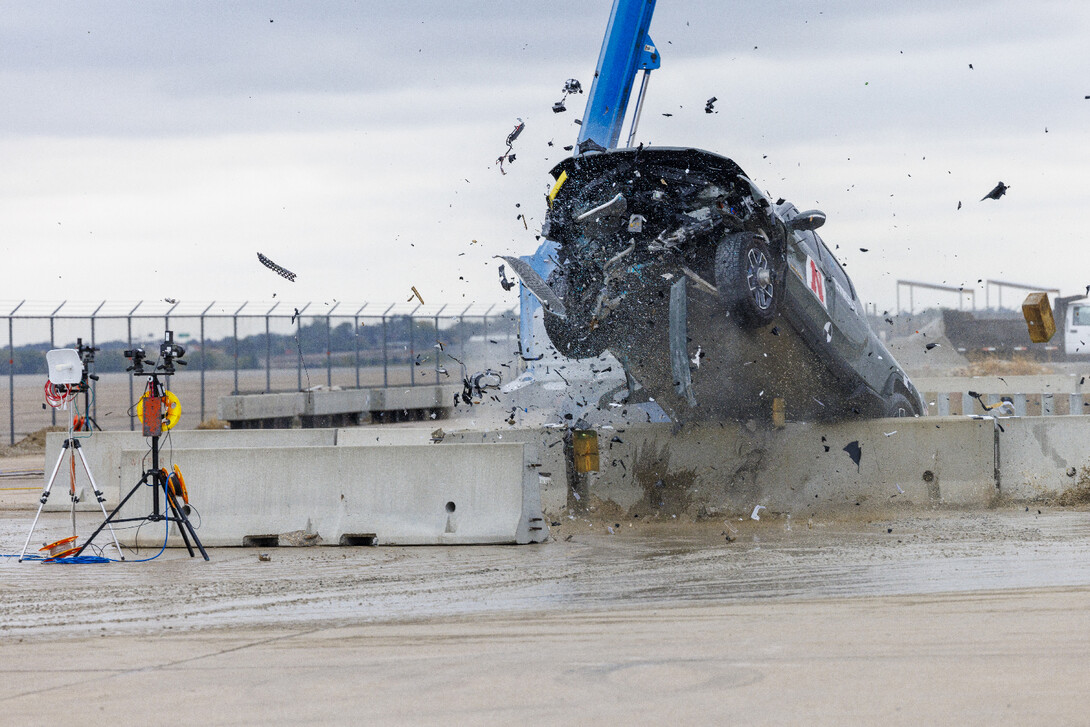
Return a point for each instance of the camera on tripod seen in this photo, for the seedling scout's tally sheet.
(87, 356)
(170, 353)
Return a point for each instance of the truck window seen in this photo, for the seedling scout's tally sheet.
(1080, 316)
(836, 271)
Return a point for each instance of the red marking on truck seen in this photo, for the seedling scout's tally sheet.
(816, 281)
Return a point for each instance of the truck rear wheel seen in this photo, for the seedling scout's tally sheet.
(749, 280)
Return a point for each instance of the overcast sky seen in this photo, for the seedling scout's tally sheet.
(150, 149)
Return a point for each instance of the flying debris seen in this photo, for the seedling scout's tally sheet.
(417, 294)
(507, 284)
(998, 191)
(931, 346)
(507, 156)
(959, 204)
(282, 272)
(172, 301)
(294, 315)
(709, 105)
(571, 86)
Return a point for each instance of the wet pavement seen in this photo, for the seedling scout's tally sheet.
(584, 568)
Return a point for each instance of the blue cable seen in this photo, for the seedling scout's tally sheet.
(83, 559)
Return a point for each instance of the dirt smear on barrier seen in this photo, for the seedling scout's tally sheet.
(1080, 493)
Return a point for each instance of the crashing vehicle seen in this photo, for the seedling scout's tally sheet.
(716, 299)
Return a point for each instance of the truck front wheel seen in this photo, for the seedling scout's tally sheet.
(749, 280)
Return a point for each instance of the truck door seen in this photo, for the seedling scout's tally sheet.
(1077, 329)
(807, 284)
(850, 327)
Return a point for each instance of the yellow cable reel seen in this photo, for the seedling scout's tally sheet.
(172, 409)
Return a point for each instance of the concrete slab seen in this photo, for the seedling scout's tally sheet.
(261, 406)
(399, 495)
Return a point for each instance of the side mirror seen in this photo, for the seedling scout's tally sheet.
(808, 220)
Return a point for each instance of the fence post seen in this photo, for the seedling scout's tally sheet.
(132, 415)
(299, 347)
(11, 371)
(94, 384)
(412, 346)
(52, 345)
(234, 319)
(437, 349)
(268, 349)
(356, 336)
(462, 338)
(385, 356)
(329, 346)
(203, 364)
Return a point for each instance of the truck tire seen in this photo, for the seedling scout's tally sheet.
(749, 278)
(574, 341)
(573, 336)
(900, 406)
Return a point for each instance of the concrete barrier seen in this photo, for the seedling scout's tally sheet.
(335, 407)
(1044, 457)
(103, 453)
(405, 495)
(655, 470)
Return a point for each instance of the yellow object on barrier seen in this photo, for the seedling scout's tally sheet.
(585, 448)
(1038, 314)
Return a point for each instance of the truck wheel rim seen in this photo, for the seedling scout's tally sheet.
(759, 278)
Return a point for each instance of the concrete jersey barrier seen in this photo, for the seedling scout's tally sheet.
(396, 495)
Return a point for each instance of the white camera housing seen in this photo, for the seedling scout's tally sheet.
(65, 366)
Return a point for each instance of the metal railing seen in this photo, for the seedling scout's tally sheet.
(258, 345)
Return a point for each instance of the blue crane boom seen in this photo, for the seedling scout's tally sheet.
(626, 49)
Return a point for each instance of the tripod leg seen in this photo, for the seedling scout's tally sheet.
(111, 516)
(101, 499)
(184, 525)
(45, 496)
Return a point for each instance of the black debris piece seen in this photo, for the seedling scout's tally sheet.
(709, 105)
(998, 191)
(931, 346)
(507, 284)
(282, 272)
(970, 66)
(507, 156)
(864, 249)
(294, 315)
(855, 451)
(959, 204)
(667, 115)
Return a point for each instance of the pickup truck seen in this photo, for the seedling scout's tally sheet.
(715, 298)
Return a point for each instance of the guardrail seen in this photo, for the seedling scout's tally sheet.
(258, 344)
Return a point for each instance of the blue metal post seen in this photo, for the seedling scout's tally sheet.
(622, 47)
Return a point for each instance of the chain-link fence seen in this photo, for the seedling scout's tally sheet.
(246, 347)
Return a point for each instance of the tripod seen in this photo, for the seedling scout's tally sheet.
(155, 477)
(70, 446)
